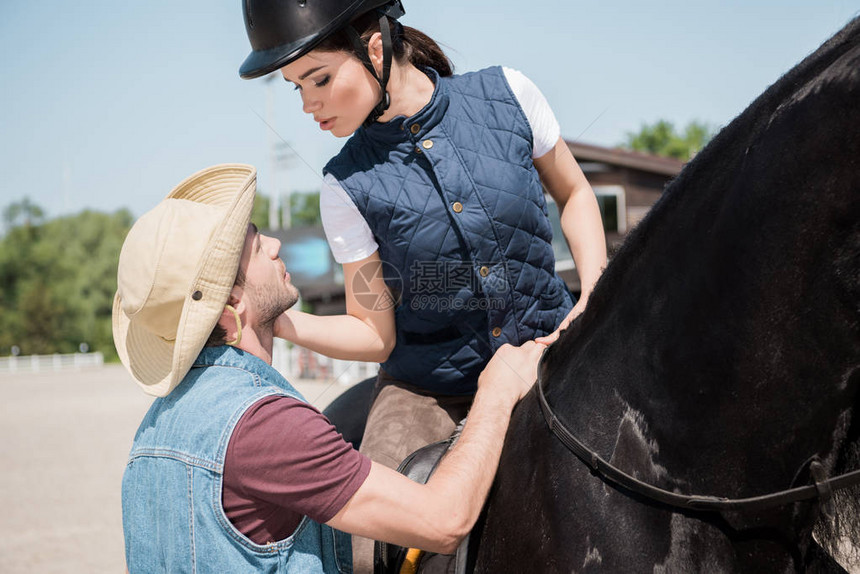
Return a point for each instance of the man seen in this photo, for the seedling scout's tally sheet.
(231, 470)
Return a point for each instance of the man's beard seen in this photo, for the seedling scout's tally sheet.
(271, 304)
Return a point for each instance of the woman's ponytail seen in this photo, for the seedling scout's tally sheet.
(408, 44)
(422, 51)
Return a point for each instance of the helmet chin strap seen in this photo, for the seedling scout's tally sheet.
(361, 51)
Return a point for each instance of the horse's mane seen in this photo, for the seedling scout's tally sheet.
(704, 187)
(722, 152)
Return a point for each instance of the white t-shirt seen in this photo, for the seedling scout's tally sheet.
(348, 234)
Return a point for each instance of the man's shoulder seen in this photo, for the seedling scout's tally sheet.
(244, 368)
(208, 403)
(215, 385)
(279, 406)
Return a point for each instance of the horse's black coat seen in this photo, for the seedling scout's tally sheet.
(719, 352)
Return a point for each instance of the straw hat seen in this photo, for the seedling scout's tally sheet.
(176, 271)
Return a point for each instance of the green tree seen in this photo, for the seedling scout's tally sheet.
(305, 209)
(260, 211)
(89, 243)
(24, 213)
(661, 138)
(57, 282)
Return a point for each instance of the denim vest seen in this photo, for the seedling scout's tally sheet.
(171, 490)
(457, 208)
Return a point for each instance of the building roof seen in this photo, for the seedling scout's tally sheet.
(625, 158)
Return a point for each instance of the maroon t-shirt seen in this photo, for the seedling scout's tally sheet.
(286, 460)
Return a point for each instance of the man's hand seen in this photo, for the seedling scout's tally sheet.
(513, 370)
(437, 516)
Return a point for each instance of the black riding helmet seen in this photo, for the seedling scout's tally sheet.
(282, 31)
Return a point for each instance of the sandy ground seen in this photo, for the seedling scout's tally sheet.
(64, 438)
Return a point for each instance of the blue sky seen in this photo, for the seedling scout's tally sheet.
(110, 104)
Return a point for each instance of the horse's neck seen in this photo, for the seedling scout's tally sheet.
(727, 325)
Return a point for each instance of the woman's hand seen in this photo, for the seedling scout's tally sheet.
(365, 333)
(574, 313)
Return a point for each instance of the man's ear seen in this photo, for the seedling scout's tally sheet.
(374, 50)
(237, 299)
(229, 321)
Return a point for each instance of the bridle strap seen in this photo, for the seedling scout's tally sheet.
(685, 501)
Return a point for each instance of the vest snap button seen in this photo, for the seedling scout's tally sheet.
(485, 271)
(197, 295)
(415, 128)
(457, 207)
(417, 149)
(427, 144)
(497, 331)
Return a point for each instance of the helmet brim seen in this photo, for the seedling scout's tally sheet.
(262, 62)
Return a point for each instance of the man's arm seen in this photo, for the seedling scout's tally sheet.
(436, 516)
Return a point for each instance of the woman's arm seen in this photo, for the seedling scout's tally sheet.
(365, 333)
(580, 221)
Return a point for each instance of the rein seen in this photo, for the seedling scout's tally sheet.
(822, 488)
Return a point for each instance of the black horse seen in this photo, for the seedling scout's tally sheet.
(719, 355)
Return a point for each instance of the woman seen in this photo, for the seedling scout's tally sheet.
(439, 190)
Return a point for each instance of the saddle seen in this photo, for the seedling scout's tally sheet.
(348, 413)
(392, 559)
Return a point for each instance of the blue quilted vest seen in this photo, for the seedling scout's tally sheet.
(457, 208)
